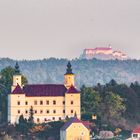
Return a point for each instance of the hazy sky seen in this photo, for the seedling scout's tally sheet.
(32, 29)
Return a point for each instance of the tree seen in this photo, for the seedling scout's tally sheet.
(86, 116)
(22, 125)
(90, 100)
(31, 117)
(6, 77)
(112, 107)
(51, 130)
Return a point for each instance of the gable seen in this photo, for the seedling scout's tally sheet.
(77, 127)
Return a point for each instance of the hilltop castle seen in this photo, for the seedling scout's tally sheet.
(50, 102)
(103, 53)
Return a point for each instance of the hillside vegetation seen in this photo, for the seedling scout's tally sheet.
(88, 72)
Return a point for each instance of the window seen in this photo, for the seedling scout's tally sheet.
(71, 102)
(41, 111)
(41, 102)
(53, 118)
(63, 102)
(59, 118)
(35, 111)
(38, 120)
(26, 111)
(63, 111)
(71, 111)
(54, 111)
(26, 103)
(47, 102)
(18, 111)
(45, 119)
(35, 102)
(54, 102)
(47, 111)
(18, 102)
(135, 135)
(82, 133)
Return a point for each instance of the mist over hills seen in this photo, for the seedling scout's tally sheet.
(88, 72)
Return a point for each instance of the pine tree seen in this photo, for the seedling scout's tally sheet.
(31, 117)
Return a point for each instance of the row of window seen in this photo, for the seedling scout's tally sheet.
(41, 102)
(41, 111)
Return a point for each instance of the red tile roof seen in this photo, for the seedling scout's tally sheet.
(137, 129)
(72, 89)
(45, 90)
(17, 90)
(103, 48)
(74, 120)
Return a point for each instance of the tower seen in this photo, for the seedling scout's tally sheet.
(69, 76)
(17, 77)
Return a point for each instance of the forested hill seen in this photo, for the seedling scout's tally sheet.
(88, 72)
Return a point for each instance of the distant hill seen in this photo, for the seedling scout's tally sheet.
(88, 72)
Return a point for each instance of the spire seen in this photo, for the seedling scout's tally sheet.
(17, 70)
(69, 69)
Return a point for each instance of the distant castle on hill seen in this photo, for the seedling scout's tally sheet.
(103, 53)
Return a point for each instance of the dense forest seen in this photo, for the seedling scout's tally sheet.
(88, 72)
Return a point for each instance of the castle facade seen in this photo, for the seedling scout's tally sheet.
(50, 102)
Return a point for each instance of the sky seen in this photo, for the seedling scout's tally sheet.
(37, 29)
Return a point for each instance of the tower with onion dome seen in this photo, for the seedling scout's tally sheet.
(69, 76)
(17, 77)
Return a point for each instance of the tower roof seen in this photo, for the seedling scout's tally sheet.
(72, 89)
(17, 90)
(17, 70)
(69, 68)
